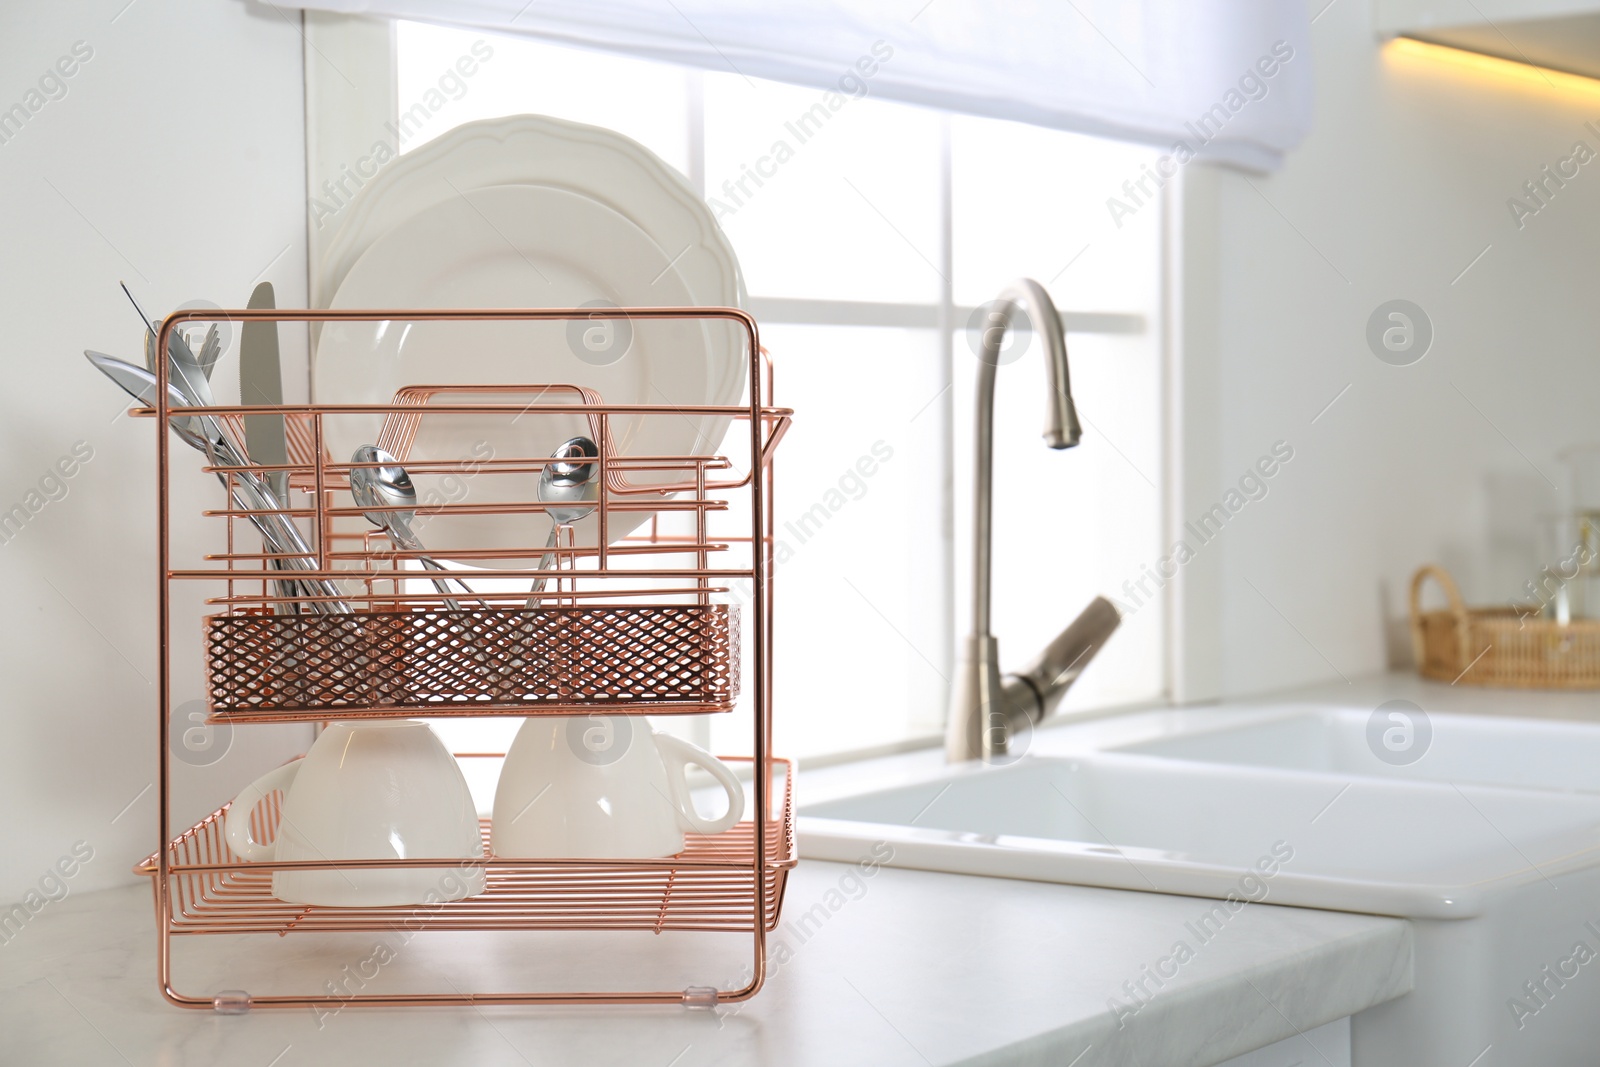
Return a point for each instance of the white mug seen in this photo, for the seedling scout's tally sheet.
(602, 786)
(382, 789)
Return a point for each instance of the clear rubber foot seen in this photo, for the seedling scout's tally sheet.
(231, 1002)
(700, 997)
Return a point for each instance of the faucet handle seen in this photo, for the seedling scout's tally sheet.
(1040, 687)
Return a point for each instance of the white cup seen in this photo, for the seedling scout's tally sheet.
(602, 786)
(384, 789)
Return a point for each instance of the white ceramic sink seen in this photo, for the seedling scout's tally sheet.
(1135, 822)
(1526, 753)
(1285, 807)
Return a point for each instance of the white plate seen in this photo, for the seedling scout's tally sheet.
(517, 246)
(538, 150)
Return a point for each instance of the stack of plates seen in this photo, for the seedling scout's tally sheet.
(530, 211)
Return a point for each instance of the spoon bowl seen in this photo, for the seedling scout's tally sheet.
(386, 486)
(570, 480)
(205, 434)
(389, 486)
(143, 387)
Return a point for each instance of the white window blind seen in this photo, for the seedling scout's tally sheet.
(1227, 80)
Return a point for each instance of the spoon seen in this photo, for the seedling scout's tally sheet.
(571, 480)
(389, 486)
(205, 434)
(141, 385)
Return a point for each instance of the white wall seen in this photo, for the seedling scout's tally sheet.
(1403, 182)
(176, 161)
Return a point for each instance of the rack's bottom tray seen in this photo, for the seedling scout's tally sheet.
(676, 893)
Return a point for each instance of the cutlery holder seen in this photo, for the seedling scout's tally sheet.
(655, 659)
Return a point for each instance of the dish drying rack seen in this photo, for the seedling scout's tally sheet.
(598, 641)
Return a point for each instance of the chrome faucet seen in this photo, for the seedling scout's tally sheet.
(986, 709)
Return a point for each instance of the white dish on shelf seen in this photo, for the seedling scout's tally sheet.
(521, 246)
(596, 163)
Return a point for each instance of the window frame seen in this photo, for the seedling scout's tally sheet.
(341, 111)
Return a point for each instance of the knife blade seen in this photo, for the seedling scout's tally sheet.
(261, 382)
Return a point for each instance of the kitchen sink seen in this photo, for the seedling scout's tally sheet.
(1135, 822)
(1489, 844)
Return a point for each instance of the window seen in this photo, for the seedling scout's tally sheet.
(865, 247)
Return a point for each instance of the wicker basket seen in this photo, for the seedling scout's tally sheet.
(1500, 646)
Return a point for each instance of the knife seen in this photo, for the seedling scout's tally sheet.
(261, 382)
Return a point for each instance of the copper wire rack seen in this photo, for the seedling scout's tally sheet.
(644, 623)
(707, 887)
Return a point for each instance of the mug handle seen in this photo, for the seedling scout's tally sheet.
(677, 754)
(236, 826)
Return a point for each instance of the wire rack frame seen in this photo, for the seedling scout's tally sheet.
(756, 854)
(705, 888)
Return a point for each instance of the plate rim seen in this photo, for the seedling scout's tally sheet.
(354, 235)
(708, 431)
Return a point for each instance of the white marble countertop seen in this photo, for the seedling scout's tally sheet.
(917, 968)
(904, 967)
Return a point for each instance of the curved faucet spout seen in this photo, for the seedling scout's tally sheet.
(983, 708)
(1061, 429)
